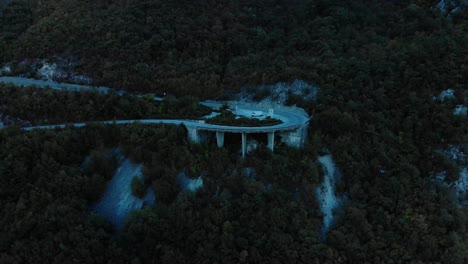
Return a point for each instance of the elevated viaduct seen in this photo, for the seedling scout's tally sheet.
(292, 130)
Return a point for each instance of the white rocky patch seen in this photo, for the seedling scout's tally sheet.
(118, 200)
(58, 69)
(451, 6)
(188, 184)
(5, 70)
(457, 154)
(326, 194)
(461, 110)
(442, 5)
(441, 176)
(447, 94)
(461, 186)
(19, 81)
(50, 72)
(252, 145)
(279, 92)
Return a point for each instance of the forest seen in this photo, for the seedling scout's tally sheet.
(47, 106)
(378, 65)
(45, 199)
(206, 47)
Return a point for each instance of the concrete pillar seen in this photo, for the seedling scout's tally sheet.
(220, 138)
(292, 139)
(193, 134)
(244, 144)
(296, 138)
(304, 134)
(271, 140)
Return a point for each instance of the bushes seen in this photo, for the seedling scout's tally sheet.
(229, 119)
(47, 106)
(261, 94)
(51, 194)
(378, 63)
(138, 187)
(200, 49)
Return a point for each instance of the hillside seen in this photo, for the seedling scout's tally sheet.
(204, 47)
(388, 112)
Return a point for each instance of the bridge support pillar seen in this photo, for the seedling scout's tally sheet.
(193, 134)
(220, 138)
(271, 140)
(244, 144)
(296, 138)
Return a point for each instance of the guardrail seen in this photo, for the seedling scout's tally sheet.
(247, 129)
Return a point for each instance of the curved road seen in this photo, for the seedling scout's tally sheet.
(291, 120)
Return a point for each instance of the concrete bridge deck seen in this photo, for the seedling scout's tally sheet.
(195, 127)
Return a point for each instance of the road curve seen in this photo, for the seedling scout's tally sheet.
(291, 119)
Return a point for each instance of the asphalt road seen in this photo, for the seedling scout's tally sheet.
(291, 120)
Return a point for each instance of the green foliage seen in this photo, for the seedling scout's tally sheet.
(260, 94)
(224, 109)
(47, 106)
(293, 99)
(378, 64)
(138, 187)
(102, 162)
(229, 119)
(46, 196)
(202, 48)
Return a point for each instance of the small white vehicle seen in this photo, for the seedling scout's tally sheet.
(257, 114)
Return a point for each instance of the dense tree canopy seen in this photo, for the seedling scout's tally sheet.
(47, 106)
(201, 47)
(45, 197)
(378, 65)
